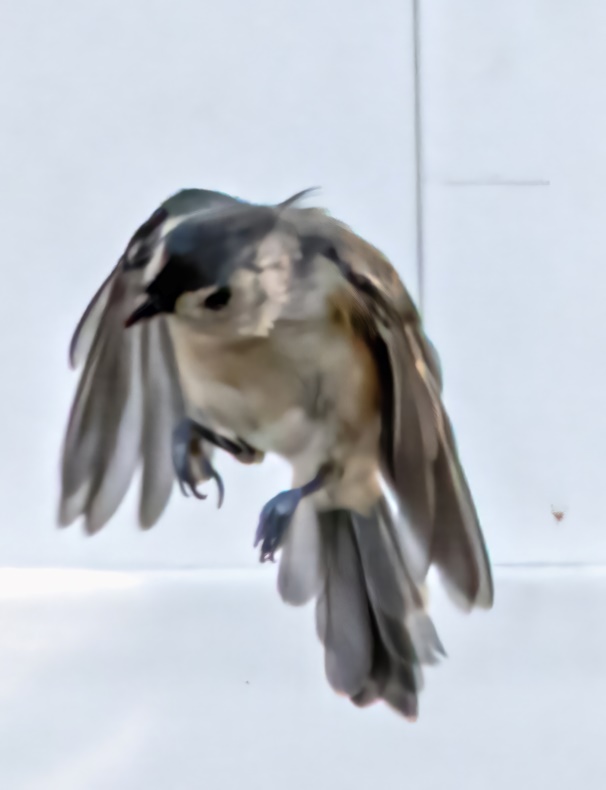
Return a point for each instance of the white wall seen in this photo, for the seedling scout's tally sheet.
(514, 92)
(161, 679)
(107, 107)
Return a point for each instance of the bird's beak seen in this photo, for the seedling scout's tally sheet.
(148, 309)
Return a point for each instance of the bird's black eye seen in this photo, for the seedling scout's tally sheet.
(218, 300)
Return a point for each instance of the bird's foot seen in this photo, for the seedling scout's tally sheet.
(274, 520)
(278, 513)
(190, 462)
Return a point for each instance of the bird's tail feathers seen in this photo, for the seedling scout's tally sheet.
(370, 614)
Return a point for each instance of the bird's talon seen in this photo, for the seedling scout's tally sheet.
(278, 512)
(273, 522)
(220, 488)
(188, 459)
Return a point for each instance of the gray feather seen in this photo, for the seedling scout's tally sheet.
(119, 425)
(129, 397)
(301, 561)
(398, 606)
(88, 325)
(163, 410)
(82, 435)
(125, 409)
(458, 548)
(370, 615)
(104, 432)
(190, 201)
(342, 614)
(392, 680)
(410, 441)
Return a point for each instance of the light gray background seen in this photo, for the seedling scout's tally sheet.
(129, 678)
(108, 107)
(515, 123)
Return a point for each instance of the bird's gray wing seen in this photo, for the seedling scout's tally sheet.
(129, 398)
(420, 460)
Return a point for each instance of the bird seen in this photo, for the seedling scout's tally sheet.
(255, 329)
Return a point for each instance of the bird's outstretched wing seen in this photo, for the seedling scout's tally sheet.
(421, 463)
(129, 399)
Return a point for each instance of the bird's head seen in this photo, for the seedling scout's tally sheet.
(226, 271)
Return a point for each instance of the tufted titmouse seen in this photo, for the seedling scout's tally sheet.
(276, 329)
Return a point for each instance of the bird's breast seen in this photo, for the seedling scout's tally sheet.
(292, 393)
